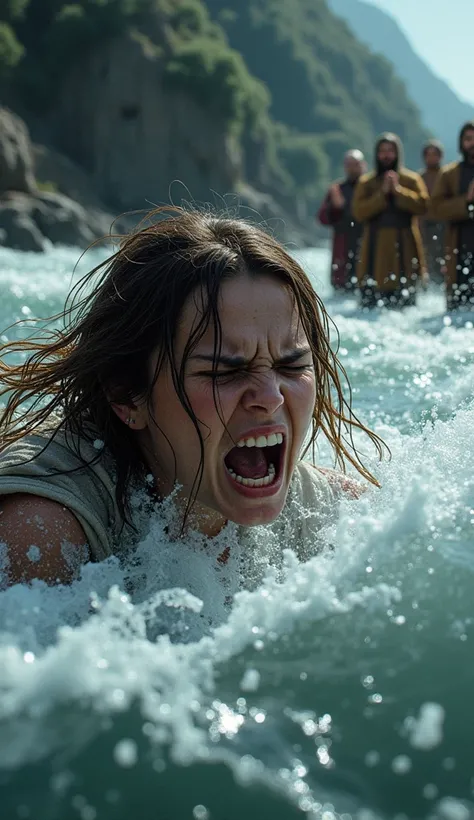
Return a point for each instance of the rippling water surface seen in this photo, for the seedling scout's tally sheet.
(343, 691)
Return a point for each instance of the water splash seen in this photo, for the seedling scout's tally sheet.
(337, 688)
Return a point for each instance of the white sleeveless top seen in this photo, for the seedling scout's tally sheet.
(52, 469)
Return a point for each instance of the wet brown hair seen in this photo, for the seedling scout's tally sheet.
(127, 308)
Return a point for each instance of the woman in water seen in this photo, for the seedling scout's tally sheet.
(196, 362)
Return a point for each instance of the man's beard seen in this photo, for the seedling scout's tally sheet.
(469, 156)
(389, 165)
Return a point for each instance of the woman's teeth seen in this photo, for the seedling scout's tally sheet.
(255, 482)
(261, 441)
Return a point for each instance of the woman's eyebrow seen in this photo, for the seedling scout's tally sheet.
(241, 361)
(294, 355)
(229, 361)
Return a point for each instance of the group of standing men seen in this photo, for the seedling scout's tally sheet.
(393, 228)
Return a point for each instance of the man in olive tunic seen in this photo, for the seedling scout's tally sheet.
(453, 201)
(388, 201)
(336, 211)
(432, 230)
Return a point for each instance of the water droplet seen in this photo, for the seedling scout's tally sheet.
(401, 764)
(126, 753)
(372, 759)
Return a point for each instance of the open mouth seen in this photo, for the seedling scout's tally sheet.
(256, 462)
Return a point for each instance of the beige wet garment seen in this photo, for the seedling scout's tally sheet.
(52, 469)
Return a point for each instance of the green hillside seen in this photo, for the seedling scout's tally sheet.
(321, 78)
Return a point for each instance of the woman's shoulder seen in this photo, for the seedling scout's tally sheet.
(69, 470)
(312, 506)
(312, 481)
(48, 446)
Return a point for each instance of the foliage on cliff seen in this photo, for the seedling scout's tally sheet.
(287, 78)
(52, 35)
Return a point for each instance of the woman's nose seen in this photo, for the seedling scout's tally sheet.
(264, 393)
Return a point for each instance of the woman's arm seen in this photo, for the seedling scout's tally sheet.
(42, 539)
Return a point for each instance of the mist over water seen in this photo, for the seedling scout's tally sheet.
(339, 688)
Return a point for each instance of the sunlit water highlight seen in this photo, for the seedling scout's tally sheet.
(342, 689)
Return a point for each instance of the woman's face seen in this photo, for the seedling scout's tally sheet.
(265, 391)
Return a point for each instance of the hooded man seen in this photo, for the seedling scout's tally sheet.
(453, 201)
(336, 211)
(388, 201)
(432, 230)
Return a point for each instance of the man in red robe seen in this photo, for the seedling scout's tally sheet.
(336, 212)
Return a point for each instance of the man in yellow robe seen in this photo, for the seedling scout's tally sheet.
(388, 201)
(453, 201)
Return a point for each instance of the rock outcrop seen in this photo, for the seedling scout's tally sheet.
(74, 182)
(16, 158)
(32, 219)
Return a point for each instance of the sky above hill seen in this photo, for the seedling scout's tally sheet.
(442, 32)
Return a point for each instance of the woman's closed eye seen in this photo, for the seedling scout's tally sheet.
(239, 373)
(294, 369)
(221, 375)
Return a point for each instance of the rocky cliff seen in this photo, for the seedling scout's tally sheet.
(138, 102)
(140, 142)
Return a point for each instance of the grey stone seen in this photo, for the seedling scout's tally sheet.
(61, 220)
(19, 229)
(74, 182)
(16, 157)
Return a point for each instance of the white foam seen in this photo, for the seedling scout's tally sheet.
(250, 681)
(426, 732)
(159, 634)
(34, 554)
(451, 809)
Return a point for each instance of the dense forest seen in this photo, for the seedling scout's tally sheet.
(290, 80)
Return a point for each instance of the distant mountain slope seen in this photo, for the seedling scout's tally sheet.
(442, 111)
(323, 81)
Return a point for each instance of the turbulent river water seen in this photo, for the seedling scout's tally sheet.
(344, 690)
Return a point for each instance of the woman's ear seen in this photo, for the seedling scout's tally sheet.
(133, 415)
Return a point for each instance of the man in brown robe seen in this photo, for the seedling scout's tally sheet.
(432, 230)
(453, 201)
(388, 201)
(336, 211)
